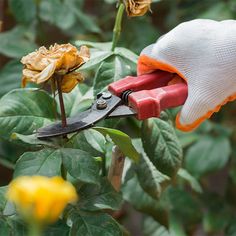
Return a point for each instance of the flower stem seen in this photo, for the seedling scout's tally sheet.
(62, 107)
(63, 172)
(104, 171)
(117, 26)
(34, 230)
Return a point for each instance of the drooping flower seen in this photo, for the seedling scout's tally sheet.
(137, 7)
(41, 199)
(42, 64)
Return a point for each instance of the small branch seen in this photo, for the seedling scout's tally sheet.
(104, 171)
(62, 107)
(116, 168)
(117, 26)
(63, 172)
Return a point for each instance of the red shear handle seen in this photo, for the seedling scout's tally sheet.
(150, 103)
(148, 81)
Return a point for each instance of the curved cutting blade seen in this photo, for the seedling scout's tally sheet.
(84, 120)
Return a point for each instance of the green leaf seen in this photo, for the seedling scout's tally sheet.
(58, 228)
(10, 152)
(111, 70)
(91, 224)
(10, 209)
(135, 39)
(190, 179)
(219, 11)
(87, 21)
(4, 227)
(103, 196)
(231, 229)
(56, 13)
(18, 227)
(110, 1)
(122, 140)
(76, 102)
(126, 53)
(46, 162)
(90, 141)
(176, 227)
(184, 206)
(32, 139)
(207, 155)
(24, 11)
(3, 200)
(96, 140)
(216, 218)
(153, 228)
(106, 46)
(23, 111)
(140, 200)
(187, 139)
(96, 58)
(81, 165)
(162, 146)
(10, 76)
(24, 45)
(150, 179)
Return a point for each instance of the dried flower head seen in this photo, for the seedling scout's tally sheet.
(42, 64)
(41, 199)
(137, 7)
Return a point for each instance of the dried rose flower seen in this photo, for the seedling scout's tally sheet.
(137, 7)
(42, 64)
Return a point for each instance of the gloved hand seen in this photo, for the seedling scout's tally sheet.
(203, 53)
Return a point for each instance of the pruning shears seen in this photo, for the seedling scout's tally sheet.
(143, 96)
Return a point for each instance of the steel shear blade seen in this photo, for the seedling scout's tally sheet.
(143, 96)
(106, 106)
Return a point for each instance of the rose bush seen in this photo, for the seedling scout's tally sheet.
(170, 181)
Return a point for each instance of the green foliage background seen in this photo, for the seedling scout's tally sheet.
(184, 183)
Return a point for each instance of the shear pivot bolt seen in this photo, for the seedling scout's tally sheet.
(101, 104)
(106, 95)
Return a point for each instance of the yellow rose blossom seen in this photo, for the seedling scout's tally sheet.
(41, 199)
(137, 7)
(42, 64)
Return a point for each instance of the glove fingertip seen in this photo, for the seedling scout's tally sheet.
(187, 127)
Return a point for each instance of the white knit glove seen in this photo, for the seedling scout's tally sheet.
(203, 53)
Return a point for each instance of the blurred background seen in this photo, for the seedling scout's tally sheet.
(209, 152)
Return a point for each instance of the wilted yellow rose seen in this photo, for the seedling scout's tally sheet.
(42, 64)
(137, 7)
(41, 199)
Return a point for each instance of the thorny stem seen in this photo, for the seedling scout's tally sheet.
(117, 26)
(62, 107)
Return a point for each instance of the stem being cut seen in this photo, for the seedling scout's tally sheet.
(62, 107)
(117, 26)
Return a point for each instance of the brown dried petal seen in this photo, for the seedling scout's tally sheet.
(69, 81)
(28, 76)
(137, 7)
(84, 53)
